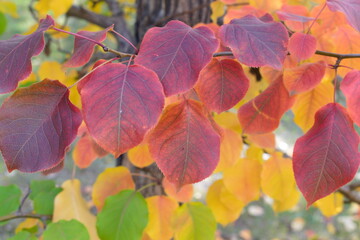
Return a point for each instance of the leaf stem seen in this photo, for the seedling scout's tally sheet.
(146, 186)
(317, 16)
(144, 175)
(126, 40)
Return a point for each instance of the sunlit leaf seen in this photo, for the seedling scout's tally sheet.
(350, 8)
(58, 7)
(184, 194)
(140, 156)
(331, 204)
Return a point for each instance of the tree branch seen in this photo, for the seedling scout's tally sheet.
(41, 217)
(351, 195)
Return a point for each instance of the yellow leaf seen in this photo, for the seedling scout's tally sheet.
(287, 202)
(184, 194)
(217, 10)
(243, 179)
(140, 156)
(30, 79)
(230, 149)
(309, 102)
(223, 204)
(331, 204)
(161, 210)
(51, 70)
(69, 204)
(57, 7)
(8, 7)
(110, 182)
(277, 177)
(254, 152)
(267, 5)
(28, 223)
(228, 120)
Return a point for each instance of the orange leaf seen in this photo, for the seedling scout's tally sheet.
(184, 194)
(140, 156)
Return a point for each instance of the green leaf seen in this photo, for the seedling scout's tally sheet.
(124, 216)
(66, 230)
(43, 193)
(194, 221)
(23, 236)
(9, 199)
(3, 23)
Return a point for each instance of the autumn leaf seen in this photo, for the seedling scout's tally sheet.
(351, 89)
(302, 46)
(58, 7)
(140, 155)
(350, 8)
(184, 194)
(330, 205)
(326, 157)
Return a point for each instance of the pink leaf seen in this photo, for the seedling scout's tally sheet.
(351, 88)
(263, 113)
(16, 54)
(37, 124)
(304, 77)
(120, 104)
(255, 42)
(351, 9)
(184, 144)
(326, 157)
(83, 49)
(222, 84)
(302, 46)
(285, 16)
(177, 53)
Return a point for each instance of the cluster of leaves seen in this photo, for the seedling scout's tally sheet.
(174, 102)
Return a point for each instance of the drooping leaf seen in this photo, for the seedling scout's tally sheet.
(283, 15)
(230, 149)
(331, 204)
(287, 203)
(243, 179)
(223, 204)
(351, 88)
(222, 84)
(177, 53)
(254, 42)
(110, 182)
(43, 193)
(9, 199)
(161, 210)
(124, 216)
(304, 78)
(350, 8)
(16, 54)
(69, 204)
(37, 124)
(66, 230)
(302, 46)
(277, 177)
(184, 144)
(307, 104)
(326, 157)
(184, 194)
(194, 221)
(83, 48)
(262, 114)
(120, 104)
(140, 156)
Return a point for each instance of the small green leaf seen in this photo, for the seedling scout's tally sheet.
(23, 236)
(66, 230)
(194, 221)
(3, 23)
(124, 216)
(43, 193)
(9, 199)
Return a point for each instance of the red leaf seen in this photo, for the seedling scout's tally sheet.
(263, 113)
(350, 8)
(326, 157)
(120, 104)
(177, 53)
(222, 84)
(351, 89)
(184, 144)
(16, 53)
(37, 124)
(302, 46)
(254, 42)
(83, 49)
(304, 77)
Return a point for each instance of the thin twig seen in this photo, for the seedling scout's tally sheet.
(25, 215)
(126, 40)
(24, 199)
(145, 176)
(352, 196)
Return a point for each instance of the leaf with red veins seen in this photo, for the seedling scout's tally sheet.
(37, 124)
(83, 48)
(350, 8)
(120, 104)
(16, 54)
(255, 42)
(184, 144)
(302, 46)
(351, 89)
(327, 156)
(177, 53)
